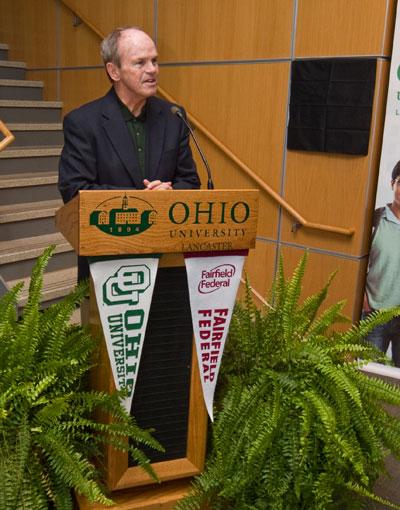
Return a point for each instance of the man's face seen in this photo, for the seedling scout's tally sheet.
(396, 189)
(136, 78)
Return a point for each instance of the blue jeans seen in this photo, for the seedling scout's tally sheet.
(382, 335)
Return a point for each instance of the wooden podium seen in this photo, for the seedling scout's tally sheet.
(121, 223)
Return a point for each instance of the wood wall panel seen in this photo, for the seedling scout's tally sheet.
(106, 15)
(80, 86)
(347, 284)
(336, 189)
(224, 29)
(29, 28)
(343, 27)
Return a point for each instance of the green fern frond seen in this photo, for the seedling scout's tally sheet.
(358, 332)
(311, 306)
(329, 317)
(8, 312)
(48, 433)
(292, 294)
(362, 491)
(298, 426)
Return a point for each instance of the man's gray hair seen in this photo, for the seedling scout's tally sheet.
(109, 45)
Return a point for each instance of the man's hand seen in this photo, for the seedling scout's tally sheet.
(156, 185)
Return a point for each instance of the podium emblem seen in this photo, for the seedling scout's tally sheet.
(128, 217)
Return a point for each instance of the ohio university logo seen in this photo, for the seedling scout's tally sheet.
(127, 218)
(216, 278)
(126, 285)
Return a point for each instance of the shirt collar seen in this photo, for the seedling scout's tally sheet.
(128, 115)
(390, 216)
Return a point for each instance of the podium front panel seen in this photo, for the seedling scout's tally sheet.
(161, 399)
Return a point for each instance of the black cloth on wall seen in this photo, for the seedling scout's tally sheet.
(331, 105)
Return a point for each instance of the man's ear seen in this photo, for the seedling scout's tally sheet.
(113, 71)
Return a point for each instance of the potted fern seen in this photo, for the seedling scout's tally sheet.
(298, 425)
(48, 436)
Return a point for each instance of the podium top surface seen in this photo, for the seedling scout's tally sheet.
(114, 222)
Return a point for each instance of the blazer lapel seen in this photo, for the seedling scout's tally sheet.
(119, 136)
(155, 130)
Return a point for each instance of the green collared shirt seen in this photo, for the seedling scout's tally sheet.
(137, 129)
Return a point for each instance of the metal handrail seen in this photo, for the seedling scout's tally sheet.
(300, 220)
(8, 136)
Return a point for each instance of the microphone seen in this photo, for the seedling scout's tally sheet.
(176, 111)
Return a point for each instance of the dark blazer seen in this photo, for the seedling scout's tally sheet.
(99, 152)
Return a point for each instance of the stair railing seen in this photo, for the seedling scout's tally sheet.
(8, 136)
(300, 220)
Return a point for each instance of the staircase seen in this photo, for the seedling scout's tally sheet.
(28, 184)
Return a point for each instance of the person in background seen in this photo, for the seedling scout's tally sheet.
(383, 278)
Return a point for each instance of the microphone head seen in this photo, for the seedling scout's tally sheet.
(176, 111)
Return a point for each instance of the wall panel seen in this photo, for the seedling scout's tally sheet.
(224, 29)
(343, 27)
(29, 28)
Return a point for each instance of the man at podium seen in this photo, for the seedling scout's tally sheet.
(128, 139)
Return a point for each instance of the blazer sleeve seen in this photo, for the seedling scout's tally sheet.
(78, 167)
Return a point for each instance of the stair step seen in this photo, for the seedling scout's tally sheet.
(12, 63)
(4, 46)
(56, 284)
(20, 83)
(31, 247)
(23, 266)
(53, 126)
(4, 51)
(27, 179)
(28, 187)
(21, 90)
(49, 134)
(28, 159)
(29, 211)
(30, 152)
(12, 70)
(6, 103)
(18, 111)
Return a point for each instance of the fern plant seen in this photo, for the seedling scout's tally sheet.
(298, 425)
(48, 436)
